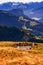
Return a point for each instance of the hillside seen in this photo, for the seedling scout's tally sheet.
(16, 34)
(11, 34)
(34, 10)
(17, 12)
(30, 27)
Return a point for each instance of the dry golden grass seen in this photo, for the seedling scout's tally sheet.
(13, 56)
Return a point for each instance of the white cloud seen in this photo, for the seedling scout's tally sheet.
(35, 18)
(2, 1)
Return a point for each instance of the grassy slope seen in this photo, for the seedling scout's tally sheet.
(9, 55)
(13, 44)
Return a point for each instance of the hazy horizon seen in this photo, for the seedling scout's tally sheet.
(24, 1)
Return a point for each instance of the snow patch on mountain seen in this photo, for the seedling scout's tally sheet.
(35, 18)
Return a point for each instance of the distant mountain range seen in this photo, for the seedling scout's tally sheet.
(21, 21)
(33, 10)
(19, 27)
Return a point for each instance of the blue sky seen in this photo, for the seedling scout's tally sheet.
(2, 1)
